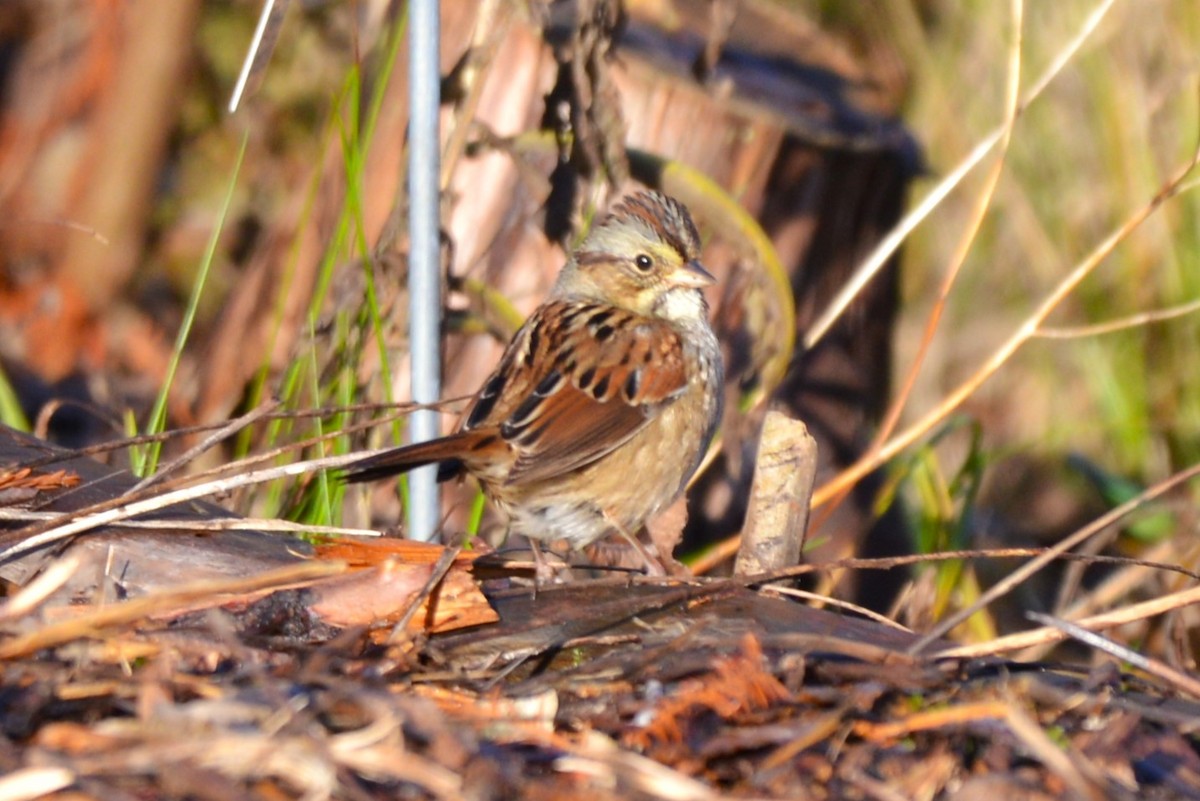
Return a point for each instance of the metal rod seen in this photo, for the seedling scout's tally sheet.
(424, 273)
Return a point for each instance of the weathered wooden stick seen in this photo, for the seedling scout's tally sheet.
(777, 519)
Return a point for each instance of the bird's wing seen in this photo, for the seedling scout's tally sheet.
(576, 382)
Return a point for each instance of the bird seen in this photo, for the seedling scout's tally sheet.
(604, 401)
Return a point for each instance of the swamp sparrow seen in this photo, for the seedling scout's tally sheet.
(602, 405)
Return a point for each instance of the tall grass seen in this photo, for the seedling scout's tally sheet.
(1098, 143)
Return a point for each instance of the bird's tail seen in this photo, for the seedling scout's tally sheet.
(446, 451)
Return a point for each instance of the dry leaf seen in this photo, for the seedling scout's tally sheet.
(25, 478)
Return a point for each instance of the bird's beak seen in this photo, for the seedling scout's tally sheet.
(693, 275)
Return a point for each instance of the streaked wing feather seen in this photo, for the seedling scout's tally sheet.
(573, 430)
(618, 371)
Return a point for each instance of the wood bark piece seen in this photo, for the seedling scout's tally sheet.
(120, 562)
(583, 623)
(142, 559)
(783, 483)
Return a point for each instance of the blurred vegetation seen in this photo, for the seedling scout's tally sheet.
(1080, 422)
(1098, 144)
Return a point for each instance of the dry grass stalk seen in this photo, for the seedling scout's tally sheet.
(884, 250)
(1028, 330)
(1181, 681)
(835, 489)
(126, 507)
(31, 783)
(34, 594)
(1037, 563)
(1049, 634)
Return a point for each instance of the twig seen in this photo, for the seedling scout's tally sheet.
(266, 34)
(771, 589)
(399, 410)
(29, 597)
(1075, 770)
(123, 509)
(30, 783)
(1181, 680)
(1113, 326)
(214, 524)
(227, 430)
(440, 568)
(1043, 636)
(1019, 575)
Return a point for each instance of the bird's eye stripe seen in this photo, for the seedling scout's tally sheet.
(586, 258)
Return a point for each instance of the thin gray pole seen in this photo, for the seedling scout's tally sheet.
(424, 279)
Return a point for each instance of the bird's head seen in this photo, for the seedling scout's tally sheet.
(644, 257)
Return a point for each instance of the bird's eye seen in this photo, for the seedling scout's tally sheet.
(643, 262)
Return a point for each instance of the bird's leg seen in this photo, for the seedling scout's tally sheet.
(653, 566)
(543, 573)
